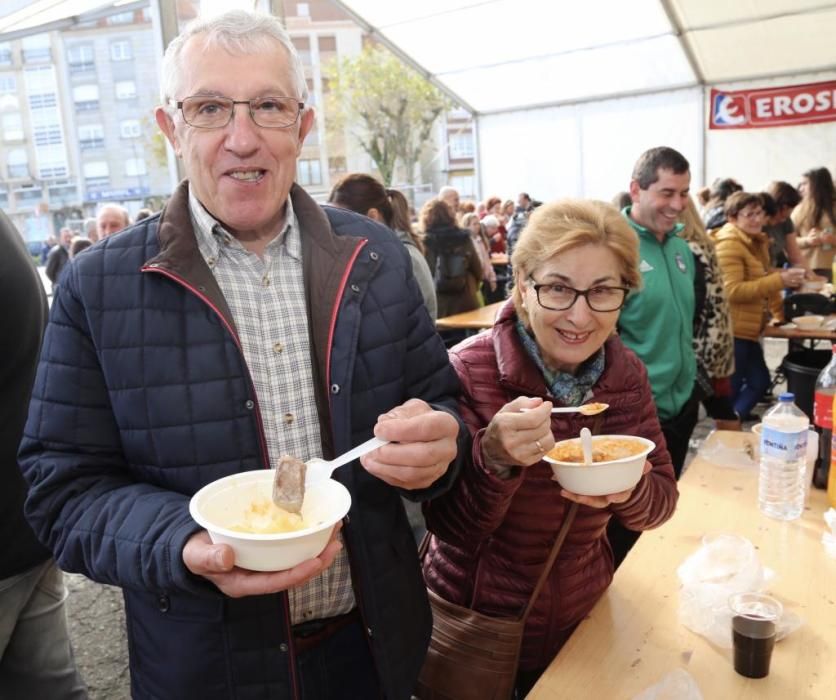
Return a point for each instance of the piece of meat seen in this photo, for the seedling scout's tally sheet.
(289, 484)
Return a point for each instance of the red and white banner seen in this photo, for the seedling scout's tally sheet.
(778, 106)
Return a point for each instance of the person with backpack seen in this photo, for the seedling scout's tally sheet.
(453, 260)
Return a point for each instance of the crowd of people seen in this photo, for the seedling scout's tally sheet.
(245, 322)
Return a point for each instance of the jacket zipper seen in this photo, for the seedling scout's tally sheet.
(262, 440)
(331, 327)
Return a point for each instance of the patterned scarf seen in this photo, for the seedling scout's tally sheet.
(570, 390)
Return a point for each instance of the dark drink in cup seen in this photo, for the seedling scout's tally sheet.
(753, 641)
(753, 632)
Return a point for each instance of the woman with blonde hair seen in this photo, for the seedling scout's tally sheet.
(553, 344)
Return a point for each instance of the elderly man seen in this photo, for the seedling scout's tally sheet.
(111, 218)
(243, 323)
(450, 196)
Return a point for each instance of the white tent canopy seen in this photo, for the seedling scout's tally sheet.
(508, 54)
(567, 94)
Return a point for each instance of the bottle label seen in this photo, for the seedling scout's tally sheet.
(785, 446)
(823, 410)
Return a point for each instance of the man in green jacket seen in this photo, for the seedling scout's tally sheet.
(657, 322)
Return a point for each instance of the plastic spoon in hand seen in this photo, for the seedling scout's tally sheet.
(588, 409)
(321, 469)
(586, 446)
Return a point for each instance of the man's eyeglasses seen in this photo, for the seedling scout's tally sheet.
(559, 297)
(213, 112)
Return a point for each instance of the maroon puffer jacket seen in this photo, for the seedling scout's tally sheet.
(492, 536)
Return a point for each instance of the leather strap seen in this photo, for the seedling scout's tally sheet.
(555, 550)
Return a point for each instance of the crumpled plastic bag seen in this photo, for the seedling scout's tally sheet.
(676, 685)
(724, 565)
(727, 450)
(829, 538)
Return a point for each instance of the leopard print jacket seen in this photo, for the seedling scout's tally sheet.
(713, 341)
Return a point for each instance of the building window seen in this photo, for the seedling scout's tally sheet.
(36, 49)
(303, 48)
(18, 163)
(129, 129)
(121, 18)
(96, 174)
(52, 172)
(465, 184)
(12, 127)
(327, 44)
(121, 51)
(43, 101)
(303, 9)
(90, 136)
(80, 58)
(48, 134)
(63, 193)
(27, 195)
(135, 166)
(8, 85)
(86, 97)
(5, 54)
(125, 89)
(461, 145)
(337, 164)
(308, 172)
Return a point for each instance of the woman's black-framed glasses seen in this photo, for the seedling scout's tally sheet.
(559, 297)
(215, 112)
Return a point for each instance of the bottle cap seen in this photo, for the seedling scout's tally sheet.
(787, 396)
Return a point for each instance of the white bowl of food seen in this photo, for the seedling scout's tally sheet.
(238, 510)
(814, 285)
(617, 464)
(808, 322)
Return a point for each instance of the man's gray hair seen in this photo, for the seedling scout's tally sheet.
(238, 32)
(447, 189)
(113, 206)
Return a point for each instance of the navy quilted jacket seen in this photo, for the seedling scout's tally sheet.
(143, 396)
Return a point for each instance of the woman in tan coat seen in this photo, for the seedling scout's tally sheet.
(815, 218)
(753, 293)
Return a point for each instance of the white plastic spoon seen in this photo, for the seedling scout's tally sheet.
(586, 446)
(588, 409)
(321, 469)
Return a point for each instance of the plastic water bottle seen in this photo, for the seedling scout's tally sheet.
(783, 467)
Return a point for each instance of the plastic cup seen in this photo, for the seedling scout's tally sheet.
(754, 618)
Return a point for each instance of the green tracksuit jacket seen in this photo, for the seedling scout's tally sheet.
(657, 322)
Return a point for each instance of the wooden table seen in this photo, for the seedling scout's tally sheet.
(797, 334)
(475, 320)
(632, 637)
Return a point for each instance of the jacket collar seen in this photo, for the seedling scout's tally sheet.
(518, 372)
(326, 258)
